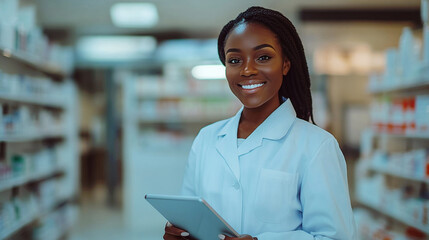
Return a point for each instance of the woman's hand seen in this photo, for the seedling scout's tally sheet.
(174, 233)
(242, 237)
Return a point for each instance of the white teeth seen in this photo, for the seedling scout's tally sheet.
(252, 86)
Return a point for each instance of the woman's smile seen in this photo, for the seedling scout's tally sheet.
(251, 86)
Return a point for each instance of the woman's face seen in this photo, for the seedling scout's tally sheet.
(255, 65)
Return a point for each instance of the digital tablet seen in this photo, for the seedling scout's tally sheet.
(192, 214)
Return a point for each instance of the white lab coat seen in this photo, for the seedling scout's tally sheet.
(287, 180)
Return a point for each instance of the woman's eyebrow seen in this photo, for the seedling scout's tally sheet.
(233, 50)
(263, 46)
(255, 48)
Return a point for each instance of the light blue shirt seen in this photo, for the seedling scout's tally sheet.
(287, 180)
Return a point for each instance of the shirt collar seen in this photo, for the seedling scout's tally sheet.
(274, 127)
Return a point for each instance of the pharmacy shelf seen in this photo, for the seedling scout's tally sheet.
(22, 180)
(397, 217)
(21, 58)
(396, 174)
(31, 136)
(24, 222)
(406, 135)
(418, 84)
(32, 100)
(27, 221)
(60, 233)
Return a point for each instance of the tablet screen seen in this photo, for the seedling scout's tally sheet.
(192, 214)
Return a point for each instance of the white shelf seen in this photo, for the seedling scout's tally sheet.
(415, 85)
(406, 135)
(18, 181)
(33, 100)
(397, 217)
(24, 222)
(395, 174)
(31, 136)
(17, 226)
(21, 58)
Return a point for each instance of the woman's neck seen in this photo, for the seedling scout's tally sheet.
(251, 118)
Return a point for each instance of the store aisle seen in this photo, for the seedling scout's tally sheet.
(97, 221)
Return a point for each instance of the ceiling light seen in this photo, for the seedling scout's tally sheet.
(134, 15)
(208, 72)
(115, 48)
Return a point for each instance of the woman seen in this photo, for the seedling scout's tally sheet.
(268, 171)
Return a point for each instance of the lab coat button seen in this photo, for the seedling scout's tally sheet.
(236, 186)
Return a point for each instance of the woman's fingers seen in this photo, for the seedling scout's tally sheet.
(172, 230)
(242, 237)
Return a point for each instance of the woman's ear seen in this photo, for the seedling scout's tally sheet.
(286, 66)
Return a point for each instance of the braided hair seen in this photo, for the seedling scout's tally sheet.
(296, 84)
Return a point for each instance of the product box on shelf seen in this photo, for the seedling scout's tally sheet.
(409, 52)
(390, 76)
(26, 18)
(8, 21)
(1, 120)
(9, 11)
(424, 12)
(422, 113)
(7, 36)
(7, 213)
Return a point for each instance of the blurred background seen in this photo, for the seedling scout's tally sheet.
(100, 102)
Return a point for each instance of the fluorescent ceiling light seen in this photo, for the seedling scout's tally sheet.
(208, 72)
(134, 15)
(115, 48)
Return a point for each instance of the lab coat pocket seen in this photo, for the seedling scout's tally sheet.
(274, 195)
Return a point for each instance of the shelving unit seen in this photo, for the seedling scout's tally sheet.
(47, 102)
(38, 134)
(399, 175)
(66, 168)
(22, 180)
(21, 58)
(397, 217)
(417, 84)
(15, 138)
(404, 136)
(30, 219)
(371, 173)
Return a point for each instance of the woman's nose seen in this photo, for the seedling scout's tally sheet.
(248, 69)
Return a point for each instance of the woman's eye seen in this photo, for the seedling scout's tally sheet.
(264, 58)
(233, 61)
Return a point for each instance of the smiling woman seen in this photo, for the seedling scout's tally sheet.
(268, 171)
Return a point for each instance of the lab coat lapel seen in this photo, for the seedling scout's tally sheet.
(274, 127)
(226, 144)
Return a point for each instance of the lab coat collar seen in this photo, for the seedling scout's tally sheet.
(274, 127)
(278, 122)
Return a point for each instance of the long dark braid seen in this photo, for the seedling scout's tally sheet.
(296, 84)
